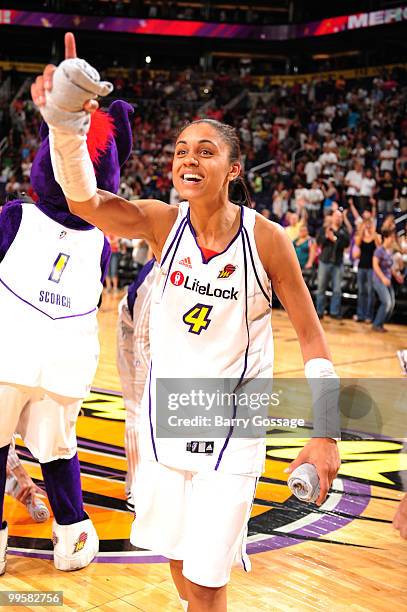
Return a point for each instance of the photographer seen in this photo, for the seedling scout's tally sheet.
(333, 240)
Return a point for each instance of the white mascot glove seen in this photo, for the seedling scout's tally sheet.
(74, 82)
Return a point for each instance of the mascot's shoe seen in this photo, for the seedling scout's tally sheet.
(3, 547)
(75, 546)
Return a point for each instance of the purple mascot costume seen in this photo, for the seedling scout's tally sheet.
(52, 267)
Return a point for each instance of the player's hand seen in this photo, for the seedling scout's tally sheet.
(324, 454)
(26, 487)
(43, 82)
(400, 518)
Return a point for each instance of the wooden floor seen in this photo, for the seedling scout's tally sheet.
(343, 556)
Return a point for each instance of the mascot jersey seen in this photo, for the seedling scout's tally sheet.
(52, 266)
(209, 319)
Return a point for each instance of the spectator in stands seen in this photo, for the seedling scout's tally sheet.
(312, 170)
(330, 194)
(388, 157)
(387, 193)
(294, 225)
(333, 240)
(367, 240)
(112, 276)
(328, 160)
(388, 224)
(402, 190)
(401, 163)
(359, 153)
(280, 200)
(353, 182)
(367, 189)
(382, 275)
(305, 247)
(313, 203)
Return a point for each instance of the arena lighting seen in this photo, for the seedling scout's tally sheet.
(148, 59)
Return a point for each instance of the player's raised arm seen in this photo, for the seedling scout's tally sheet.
(66, 96)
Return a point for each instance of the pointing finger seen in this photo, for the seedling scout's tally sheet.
(70, 46)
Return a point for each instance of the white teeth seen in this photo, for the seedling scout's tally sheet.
(191, 177)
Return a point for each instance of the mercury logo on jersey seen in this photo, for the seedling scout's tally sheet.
(227, 271)
(178, 279)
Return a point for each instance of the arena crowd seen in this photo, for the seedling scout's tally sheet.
(325, 158)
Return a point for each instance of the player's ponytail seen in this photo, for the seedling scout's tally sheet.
(239, 192)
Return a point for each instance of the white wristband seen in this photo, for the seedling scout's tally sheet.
(72, 166)
(325, 389)
(319, 368)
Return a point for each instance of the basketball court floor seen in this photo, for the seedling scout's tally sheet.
(344, 555)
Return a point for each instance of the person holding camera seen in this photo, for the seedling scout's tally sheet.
(333, 240)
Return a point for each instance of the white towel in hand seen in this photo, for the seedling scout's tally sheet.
(35, 506)
(38, 510)
(304, 482)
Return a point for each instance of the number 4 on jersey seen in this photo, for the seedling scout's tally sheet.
(197, 318)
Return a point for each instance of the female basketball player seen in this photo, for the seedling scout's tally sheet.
(210, 316)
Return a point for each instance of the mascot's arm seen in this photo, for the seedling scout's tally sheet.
(10, 219)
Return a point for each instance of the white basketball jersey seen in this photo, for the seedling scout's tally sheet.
(208, 320)
(50, 285)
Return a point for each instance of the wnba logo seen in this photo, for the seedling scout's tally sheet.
(177, 278)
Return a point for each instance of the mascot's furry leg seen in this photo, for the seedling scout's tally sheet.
(74, 537)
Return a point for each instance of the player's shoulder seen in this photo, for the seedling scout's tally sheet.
(272, 242)
(266, 229)
(160, 214)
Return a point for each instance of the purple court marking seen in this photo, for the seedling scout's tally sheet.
(106, 391)
(99, 559)
(100, 446)
(323, 526)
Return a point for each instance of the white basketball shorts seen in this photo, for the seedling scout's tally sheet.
(197, 517)
(46, 424)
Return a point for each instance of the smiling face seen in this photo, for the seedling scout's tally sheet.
(203, 165)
